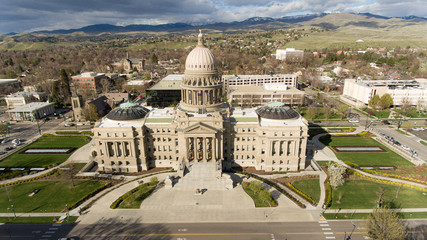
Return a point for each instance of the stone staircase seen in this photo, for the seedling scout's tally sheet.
(201, 176)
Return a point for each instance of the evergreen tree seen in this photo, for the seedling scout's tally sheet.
(154, 58)
(55, 98)
(65, 81)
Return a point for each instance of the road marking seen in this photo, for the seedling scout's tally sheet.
(328, 233)
(323, 222)
(176, 234)
(272, 237)
(326, 229)
(330, 237)
(56, 224)
(36, 232)
(182, 230)
(324, 225)
(365, 237)
(53, 228)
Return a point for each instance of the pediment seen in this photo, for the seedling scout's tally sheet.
(200, 128)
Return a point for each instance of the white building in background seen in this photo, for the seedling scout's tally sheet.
(31, 111)
(19, 99)
(290, 55)
(358, 93)
(290, 80)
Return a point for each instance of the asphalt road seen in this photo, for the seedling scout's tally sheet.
(410, 141)
(201, 231)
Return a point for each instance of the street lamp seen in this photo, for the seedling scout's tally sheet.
(13, 209)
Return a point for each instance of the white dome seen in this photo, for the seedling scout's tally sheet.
(200, 58)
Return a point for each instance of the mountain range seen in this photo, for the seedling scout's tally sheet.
(265, 23)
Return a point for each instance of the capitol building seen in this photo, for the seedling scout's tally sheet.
(202, 128)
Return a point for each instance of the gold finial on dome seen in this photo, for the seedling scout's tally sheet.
(200, 41)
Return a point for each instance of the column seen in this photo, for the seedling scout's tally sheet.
(205, 150)
(116, 147)
(285, 149)
(214, 148)
(107, 152)
(187, 148)
(195, 148)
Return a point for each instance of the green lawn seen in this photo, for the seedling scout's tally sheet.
(423, 143)
(378, 158)
(323, 163)
(362, 194)
(52, 195)
(402, 132)
(35, 219)
(134, 198)
(310, 187)
(43, 160)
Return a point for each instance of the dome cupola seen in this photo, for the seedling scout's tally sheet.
(200, 59)
(128, 111)
(277, 111)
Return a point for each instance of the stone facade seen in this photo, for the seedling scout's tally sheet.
(202, 128)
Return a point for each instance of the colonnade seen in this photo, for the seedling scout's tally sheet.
(118, 149)
(201, 97)
(201, 148)
(284, 148)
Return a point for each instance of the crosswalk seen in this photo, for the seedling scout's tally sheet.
(327, 231)
(50, 232)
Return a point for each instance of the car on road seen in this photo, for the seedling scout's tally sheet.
(1, 152)
(68, 124)
(353, 120)
(9, 148)
(406, 147)
(5, 140)
(396, 143)
(385, 122)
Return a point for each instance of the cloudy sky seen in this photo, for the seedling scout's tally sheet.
(30, 15)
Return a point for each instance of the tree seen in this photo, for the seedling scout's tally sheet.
(342, 110)
(336, 174)
(311, 113)
(384, 224)
(386, 101)
(3, 129)
(90, 112)
(327, 112)
(54, 95)
(154, 58)
(374, 101)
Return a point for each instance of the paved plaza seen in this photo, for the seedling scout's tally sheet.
(182, 204)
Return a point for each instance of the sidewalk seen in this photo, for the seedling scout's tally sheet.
(409, 210)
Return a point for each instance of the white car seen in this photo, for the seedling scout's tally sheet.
(406, 147)
(353, 120)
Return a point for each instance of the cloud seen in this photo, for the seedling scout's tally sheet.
(28, 15)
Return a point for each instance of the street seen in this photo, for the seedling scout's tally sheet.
(188, 231)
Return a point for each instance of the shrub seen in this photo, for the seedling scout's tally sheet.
(351, 164)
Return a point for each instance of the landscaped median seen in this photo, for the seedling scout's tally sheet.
(260, 196)
(134, 197)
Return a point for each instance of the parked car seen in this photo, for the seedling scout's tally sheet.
(396, 143)
(406, 147)
(5, 140)
(68, 124)
(9, 148)
(386, 122)
(1, 152)
(353, 120)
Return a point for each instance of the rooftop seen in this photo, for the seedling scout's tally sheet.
(30, 107)
(262, 89)
(160, 116)
(167, 85)
(88, 74)
(138, 82)
(258, 76)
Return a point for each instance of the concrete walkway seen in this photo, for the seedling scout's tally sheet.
(407, 210)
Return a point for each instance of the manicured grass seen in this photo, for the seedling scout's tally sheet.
(423, 143)
(364, 158)
(159, 120)
(52, 195)
(404, 215)
(402, 132)
(35, 219)
(362, 194)
(134, 198)
(310, 187)
(43, 160)
(323, 163)
(257, 196)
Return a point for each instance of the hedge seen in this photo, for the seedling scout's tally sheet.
(394, 176)
(305, 196)
(29, 179)
(351, 164)
(274, 185)
(388, 182)
(89, 195)
(56, 136)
